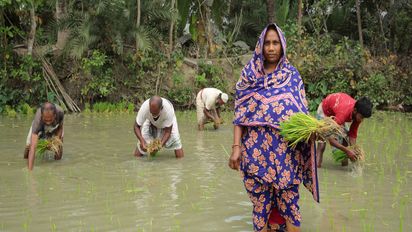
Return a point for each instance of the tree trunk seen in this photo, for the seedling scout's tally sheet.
(299, 21)
(358, 15)
(175, 28)
(270, 7)
(62, 34)
(2, 24)
(229, 5)
(138, 21)
(138, 13)
(209, 33)
(381, 27)
(392, 35)
(172, 9)
(4, 37)
(300, 13)
(32, 33)
(201, 27)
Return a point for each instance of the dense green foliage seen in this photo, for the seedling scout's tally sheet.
(120, 51)
(344, 66)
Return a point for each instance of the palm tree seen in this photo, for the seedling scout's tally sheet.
(202, 15)
(285, 10)
(117, 27)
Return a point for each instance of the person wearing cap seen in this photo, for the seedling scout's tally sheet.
(208, 103)
(47, 123)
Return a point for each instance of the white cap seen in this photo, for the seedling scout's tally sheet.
(224, 97)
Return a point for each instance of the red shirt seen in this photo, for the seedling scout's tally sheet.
(341, 106)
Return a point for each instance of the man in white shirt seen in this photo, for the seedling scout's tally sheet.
(156, 120)
(208, 102)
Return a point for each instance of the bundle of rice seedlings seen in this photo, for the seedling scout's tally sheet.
(216, 125)
(154, 146)
(41, 148)
(357, 168)
(43, 145)
(360, 154)
(339, 155)
(300, 127)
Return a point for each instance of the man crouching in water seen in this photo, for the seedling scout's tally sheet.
(47, 123)
(156, 119)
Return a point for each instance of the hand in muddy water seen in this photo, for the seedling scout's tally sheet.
(58, 155)
(143, 146)
(234, 160)
(154, 152)
(220, 120)
(351, 155)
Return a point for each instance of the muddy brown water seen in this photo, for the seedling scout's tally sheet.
(100, 186)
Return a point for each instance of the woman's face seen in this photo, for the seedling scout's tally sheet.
(272, 47)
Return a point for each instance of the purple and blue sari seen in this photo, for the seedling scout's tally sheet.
(271, 169)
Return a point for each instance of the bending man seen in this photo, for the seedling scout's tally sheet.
(208, 103)
(156, 120)
(47, 123)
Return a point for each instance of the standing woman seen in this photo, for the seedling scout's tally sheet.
(269, 91)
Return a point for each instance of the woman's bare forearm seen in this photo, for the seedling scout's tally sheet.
(237, 134)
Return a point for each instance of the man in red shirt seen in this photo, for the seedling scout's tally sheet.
(344, 109)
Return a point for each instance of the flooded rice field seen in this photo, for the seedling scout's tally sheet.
(100, 186)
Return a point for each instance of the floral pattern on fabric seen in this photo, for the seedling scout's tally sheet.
(271, 169)
(262, 102)
(266, 198)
